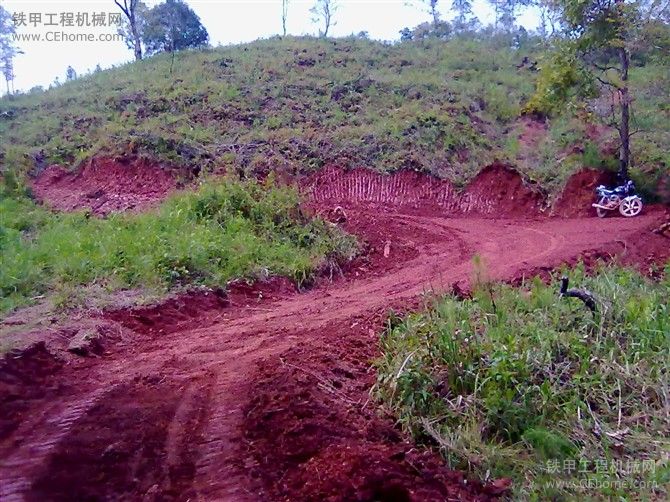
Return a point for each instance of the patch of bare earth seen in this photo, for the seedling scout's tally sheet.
(104, 185)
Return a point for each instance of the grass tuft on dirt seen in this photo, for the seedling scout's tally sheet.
(223, 230)
(519, 383)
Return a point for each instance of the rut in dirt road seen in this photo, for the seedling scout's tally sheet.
(217, 411)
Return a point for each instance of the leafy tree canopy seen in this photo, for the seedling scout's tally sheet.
(172, 26)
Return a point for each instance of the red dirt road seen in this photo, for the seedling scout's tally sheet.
(267, 400)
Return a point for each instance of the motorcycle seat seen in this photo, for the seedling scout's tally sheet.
(621, 191)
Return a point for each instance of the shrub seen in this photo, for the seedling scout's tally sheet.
(225, 229)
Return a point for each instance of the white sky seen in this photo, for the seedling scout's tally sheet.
(227, 21)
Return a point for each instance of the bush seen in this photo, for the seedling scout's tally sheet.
(225, 229)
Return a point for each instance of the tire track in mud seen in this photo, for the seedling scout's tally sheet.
(176, 401)
(22, 460)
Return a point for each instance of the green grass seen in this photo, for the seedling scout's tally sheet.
(519, 383)
(223, 230)
(295, 104)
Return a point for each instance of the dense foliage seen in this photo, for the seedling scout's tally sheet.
(521, 383)
(172, 26)
(225, 229)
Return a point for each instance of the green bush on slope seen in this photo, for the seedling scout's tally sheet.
(225, 229)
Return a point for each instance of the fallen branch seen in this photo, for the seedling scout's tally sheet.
(584, 295)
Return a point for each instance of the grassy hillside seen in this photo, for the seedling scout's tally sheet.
(297, 103)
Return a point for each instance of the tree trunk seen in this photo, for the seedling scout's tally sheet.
(129, 10)
(136, 39)
(284, 15)
(624, 135)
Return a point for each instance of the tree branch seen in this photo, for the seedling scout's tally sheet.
(123, 7)
(605, 82)
(605, 68)
(584, 295)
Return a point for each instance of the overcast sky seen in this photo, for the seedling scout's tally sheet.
(227, 21)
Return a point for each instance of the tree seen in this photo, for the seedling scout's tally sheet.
(431, 7)
(505, 14)
(70, 73)
(426, 31)
(323, 11)
(131, 9)
(596, 49)
(284, 15)
(464, 19)
(7, 48)
(172, 26)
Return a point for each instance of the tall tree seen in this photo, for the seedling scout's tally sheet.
(172, 26)
(131, 9)
(70, 73)
(429, 6)
(505, 14)
(8, 49)
(284, 15)
(323, 11)
(598, 35)
(464, 19)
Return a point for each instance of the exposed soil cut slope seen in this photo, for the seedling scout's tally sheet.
(497, 190)
(104, 185)
(577, 195)
(268, 399)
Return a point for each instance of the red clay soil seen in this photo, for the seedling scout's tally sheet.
(498, 190)
(578, 194)
(268, 398)
(104, 185)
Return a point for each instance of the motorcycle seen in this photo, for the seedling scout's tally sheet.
(622, 197)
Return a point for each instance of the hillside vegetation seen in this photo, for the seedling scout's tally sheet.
(295, 104)
(221, 231)
(520, 383)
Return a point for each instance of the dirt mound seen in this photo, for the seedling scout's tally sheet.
(171, 314)
(664, 189)
(497, 190)
(197, 307)
(245, 293)
(577, 196)
(104, 185)
(314, 435)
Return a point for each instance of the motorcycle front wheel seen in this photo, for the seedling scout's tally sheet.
(630, 207)
(602, 212)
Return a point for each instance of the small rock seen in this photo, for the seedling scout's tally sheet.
(86, 342)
